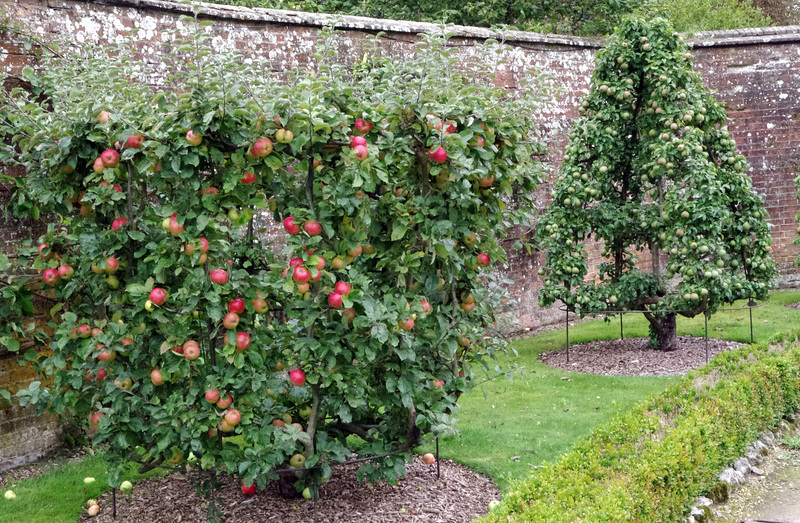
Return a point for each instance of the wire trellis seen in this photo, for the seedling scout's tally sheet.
(750, 306)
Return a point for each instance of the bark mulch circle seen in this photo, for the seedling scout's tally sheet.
(795, 305)
(631, 357)
(460, 495)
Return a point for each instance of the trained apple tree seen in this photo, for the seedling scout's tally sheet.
(188, 316)
(651, 174)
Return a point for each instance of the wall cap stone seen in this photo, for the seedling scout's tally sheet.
(726, 38)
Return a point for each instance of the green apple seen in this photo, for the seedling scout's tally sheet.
(9, 495)
(88, 481)
(126, 486)
(307, 493)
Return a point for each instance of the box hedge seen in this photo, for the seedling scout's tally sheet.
(653, 462)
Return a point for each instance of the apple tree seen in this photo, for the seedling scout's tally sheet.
(651, 174)
(194, 327)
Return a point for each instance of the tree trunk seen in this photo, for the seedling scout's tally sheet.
(286, 487)
(665, 328)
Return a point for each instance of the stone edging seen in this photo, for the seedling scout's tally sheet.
(743, 468)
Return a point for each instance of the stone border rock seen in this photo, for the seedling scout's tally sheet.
(743, 468)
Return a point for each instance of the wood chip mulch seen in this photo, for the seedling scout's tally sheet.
(631, 357)
(460, 495)
(56, 457)
(795, 305)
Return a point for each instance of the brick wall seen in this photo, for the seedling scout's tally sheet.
(756, 73)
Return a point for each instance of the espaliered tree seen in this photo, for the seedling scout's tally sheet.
(652, 175)
(180, 325)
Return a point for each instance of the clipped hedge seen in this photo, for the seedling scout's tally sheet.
(653, 462)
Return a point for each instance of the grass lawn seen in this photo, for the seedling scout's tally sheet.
(538, 416)
(523, 423)
(59, 494)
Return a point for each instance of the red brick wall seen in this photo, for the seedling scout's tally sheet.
(754, 71)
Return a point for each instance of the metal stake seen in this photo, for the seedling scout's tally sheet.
(751, 323)
(705, 316)
(316, 493)
(114, 502)
(438, 473)
(567, 322)
(621, 334)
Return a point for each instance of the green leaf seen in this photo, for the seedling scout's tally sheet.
(398, 231)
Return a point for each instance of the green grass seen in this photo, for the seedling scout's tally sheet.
(523, 423)
(59, 494)
(538, 416)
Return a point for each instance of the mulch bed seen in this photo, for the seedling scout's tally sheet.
(795, 305)
(460, 495)
(631, 357)
(56, 457)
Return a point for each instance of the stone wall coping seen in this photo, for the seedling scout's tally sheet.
(733, 37)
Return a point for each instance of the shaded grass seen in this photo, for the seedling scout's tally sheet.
(509, 427)
(59, 494)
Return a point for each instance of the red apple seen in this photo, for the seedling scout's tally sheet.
(438, 155)
(50, 276)
(294, 262)
(231, 320)
(291, 228)
(357, 140)
(249, 490)
(350, 314)
(96, 331)
(106, 355)
(477, 141)
(233, 417)
(212, 395)
(46, 256)
(191, 350)
(262, 147)
(112, 265)
(438, 383)
(429, 459)
(316, 261)
(363, 126)
(118, 223)
(313, 228)
(303, 288)
(203, 245)
(156, 377)
(84, 331)
(361, 152)
(300, 274)
(101, 374)
(335, 300)
(210, 190)
(175, 228)
(225, 402)
(483, 259)
(158, 295)
(96, 418)
(135, 141)
(486, 182)
(248, 178)
(103, 117)
(260, 305)
(65, 272)
(297, 377)
(98, 166)
(193, 138)
(126, 341)
(236, 306)
(110, 158)
(426, 307)
(242, 341)
(218, 276)
(342, 288)
(408, 324)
